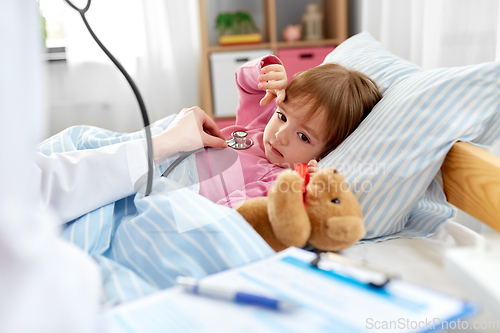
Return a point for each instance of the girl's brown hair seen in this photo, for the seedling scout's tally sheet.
(346, 95)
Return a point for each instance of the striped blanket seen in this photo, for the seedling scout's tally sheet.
(136, 241)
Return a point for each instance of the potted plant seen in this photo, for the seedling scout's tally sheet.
(237, 28)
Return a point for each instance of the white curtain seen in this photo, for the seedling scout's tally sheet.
(157, 41)
(436, 33)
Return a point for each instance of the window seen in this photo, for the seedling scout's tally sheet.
(52, 12)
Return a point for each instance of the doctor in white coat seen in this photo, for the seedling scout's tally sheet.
(46, 284)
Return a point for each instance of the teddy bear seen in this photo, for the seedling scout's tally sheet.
(319, 211)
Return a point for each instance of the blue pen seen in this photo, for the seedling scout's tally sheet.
(191, 285)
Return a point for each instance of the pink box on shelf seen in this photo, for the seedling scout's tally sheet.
(299, 59)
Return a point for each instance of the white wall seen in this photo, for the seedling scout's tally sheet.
(68, 105)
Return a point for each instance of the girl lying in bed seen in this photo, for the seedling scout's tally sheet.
(312, 115)
(143, 243)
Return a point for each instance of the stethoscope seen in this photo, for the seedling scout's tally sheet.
(238, 141)
(132, 84)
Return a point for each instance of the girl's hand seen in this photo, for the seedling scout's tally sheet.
(312, 167)
(274, 81)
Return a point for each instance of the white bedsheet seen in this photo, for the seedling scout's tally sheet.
(421, 261)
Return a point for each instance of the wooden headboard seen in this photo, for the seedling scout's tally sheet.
(471, 178)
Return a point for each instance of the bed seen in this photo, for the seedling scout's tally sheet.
(417, 152)
(419, 260)
(431, 129)
(472, 182)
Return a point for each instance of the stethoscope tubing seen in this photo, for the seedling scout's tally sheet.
(184, 155)
(239, 138)
(178, 160)
(140, 101)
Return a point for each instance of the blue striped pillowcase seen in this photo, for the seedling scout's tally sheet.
(392, 160)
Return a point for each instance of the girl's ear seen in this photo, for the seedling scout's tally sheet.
(325, 153)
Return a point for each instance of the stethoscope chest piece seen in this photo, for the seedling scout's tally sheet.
(239, 140)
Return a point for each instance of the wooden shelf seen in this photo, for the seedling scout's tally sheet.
(275, 46)
(335, 30)
(239, 47)
(308, 43)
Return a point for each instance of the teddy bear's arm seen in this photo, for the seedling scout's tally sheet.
(286, 210)
(255, 212)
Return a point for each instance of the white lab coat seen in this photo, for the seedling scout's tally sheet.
(75, 183)
(46, 284)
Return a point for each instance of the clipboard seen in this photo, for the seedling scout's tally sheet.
(341, 299)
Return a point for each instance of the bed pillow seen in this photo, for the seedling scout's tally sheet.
(392, 160)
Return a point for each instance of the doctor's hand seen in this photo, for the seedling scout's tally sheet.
(274, 80)
(191, 129)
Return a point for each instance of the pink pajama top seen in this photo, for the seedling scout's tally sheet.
(229, 176)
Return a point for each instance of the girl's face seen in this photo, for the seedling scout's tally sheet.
(289, 140)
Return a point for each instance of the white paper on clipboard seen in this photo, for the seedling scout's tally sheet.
(325, 304)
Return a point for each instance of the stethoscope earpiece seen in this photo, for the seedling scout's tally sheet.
(239, 140)
(80, 10)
